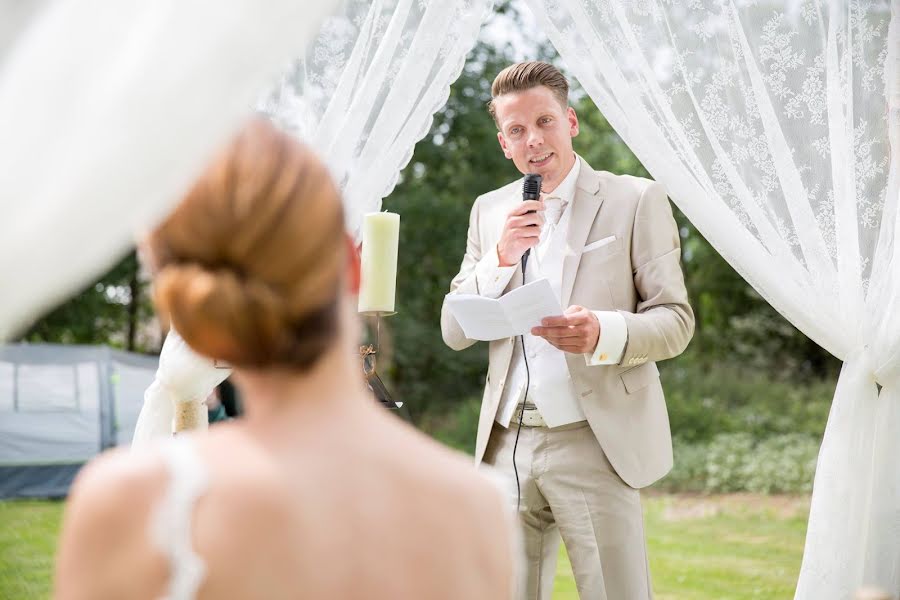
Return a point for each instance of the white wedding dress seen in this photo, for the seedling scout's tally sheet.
(170, 524)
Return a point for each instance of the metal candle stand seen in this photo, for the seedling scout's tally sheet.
(368, 354)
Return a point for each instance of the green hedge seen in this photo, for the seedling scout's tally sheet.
(735, 462)
(705, 400)
(730, 462)
(734, 430)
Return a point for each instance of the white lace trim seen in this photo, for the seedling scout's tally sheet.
(171, 524)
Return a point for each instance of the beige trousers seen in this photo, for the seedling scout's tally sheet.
(569, 488)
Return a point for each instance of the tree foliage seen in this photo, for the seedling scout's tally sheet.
(114, 310)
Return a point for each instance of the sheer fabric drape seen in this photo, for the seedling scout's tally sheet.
(776, 128)
(362, 94)
(367, 88)
(107, 112)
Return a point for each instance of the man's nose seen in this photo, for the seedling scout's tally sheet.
(535, 139)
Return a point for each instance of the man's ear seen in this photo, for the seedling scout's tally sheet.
(353, 265)
(573, 121)
(502, 141)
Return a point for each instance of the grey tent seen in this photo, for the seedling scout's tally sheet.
(61, 405)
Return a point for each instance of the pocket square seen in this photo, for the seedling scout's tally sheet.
(599, 244)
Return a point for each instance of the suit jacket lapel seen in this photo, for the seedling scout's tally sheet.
(589, 195)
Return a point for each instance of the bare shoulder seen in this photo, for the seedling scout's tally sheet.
(113, 487)
(451, 474)
(104, 528)
(244, 481)
(475, 517)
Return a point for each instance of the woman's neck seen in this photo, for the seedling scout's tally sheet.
(333, 387)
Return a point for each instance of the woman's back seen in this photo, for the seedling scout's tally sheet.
(326, 513)
(316, 492)
(349, 526)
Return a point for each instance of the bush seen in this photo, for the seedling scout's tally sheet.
(705, 400)
(784, 463)
(734, 429)
(456, 428)
(735, 462)
(689, 472)
(726, 459)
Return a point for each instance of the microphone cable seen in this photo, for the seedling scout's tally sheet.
(522, 411)
(531, 190)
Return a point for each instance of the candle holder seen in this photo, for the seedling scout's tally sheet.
(369, 353)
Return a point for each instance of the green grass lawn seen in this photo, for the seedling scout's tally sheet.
(701, 547)
(732, 547)
(28, 532)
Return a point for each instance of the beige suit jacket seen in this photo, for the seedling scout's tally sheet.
(639, 275)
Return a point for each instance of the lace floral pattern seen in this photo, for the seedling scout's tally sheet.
(769, 123)
(366, 89)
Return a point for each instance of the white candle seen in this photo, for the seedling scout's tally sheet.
(380, 243)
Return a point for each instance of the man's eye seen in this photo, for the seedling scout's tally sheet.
(514, 131)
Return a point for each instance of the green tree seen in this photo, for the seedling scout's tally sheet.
(111, 311)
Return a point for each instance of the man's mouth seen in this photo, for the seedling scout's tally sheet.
(541, 160)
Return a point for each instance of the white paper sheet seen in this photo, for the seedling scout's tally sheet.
(512, 314)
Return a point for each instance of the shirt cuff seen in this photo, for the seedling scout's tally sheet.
(613, 337)
(490, 277)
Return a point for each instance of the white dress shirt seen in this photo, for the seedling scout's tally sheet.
(549, 384)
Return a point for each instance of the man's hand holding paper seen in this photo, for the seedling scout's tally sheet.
(515, 313)
(576, 331)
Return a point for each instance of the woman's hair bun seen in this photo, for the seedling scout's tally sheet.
(250, 264)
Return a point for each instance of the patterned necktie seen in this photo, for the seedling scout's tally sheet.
(553, 210)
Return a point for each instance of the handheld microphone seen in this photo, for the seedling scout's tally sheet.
(531, 190)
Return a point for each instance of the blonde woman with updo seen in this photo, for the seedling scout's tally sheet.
(317, 492)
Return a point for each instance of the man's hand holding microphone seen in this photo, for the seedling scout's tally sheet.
(521, 232)
(578, 329)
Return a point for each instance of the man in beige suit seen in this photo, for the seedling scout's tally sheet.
(579, 402)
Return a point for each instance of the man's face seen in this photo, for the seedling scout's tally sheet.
(536, 133)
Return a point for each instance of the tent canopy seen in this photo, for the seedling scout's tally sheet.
(60, 406)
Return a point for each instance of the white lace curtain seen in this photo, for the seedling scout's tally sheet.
(362, 94)
(772, 125)
(108, 109)
(367, 88)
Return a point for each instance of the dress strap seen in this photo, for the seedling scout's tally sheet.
(171, 525)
